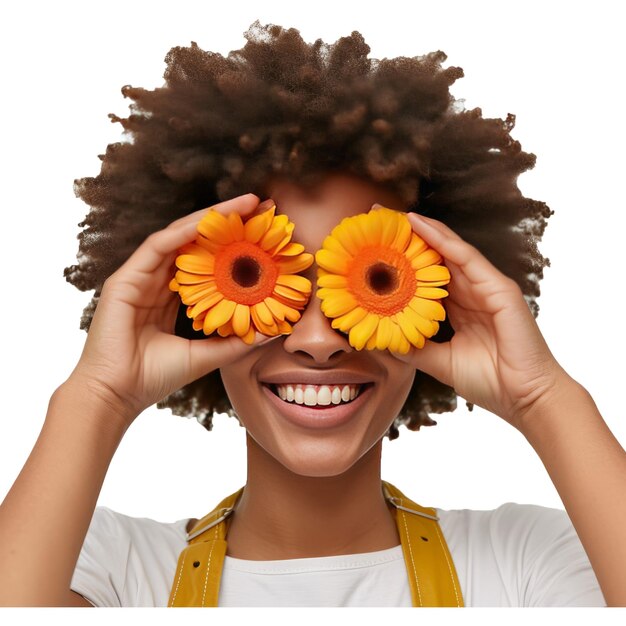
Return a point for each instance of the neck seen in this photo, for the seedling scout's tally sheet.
(282, 515)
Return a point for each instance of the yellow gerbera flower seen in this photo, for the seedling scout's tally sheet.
(380, 282)
(239, 277)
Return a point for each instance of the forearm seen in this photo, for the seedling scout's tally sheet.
(588, 468)
(45, 516)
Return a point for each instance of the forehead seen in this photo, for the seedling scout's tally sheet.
(316, 210)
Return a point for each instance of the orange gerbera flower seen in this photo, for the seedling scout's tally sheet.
(238, 278)
(380, 282)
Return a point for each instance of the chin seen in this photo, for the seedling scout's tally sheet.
(318, 456)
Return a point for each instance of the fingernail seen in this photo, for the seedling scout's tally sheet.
(377, 206)
(266, 204)
(418, 217)
(265, 340)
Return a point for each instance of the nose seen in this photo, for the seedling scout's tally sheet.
(314, 336)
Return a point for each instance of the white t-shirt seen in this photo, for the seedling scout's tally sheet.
(515, 555)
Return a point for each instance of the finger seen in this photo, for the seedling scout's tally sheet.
(244, 205)
(434, 359)
(209, 354)
(163, 245)
(469, 259)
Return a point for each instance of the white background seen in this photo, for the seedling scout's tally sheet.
(557, 66)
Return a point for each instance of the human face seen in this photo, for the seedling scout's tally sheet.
(319, 440)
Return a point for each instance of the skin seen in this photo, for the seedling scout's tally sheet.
(497, 359)
(315, 476)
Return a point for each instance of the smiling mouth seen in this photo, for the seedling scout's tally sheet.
(318, 395)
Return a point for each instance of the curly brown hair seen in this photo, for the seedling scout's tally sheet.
(223, 125)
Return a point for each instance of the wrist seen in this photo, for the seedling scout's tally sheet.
(553, 412)
(96, 403)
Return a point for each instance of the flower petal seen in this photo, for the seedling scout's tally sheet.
(185, 278)
(432, 293)
(361, 332)
(197, 262)
(295, 281)
(427, 327)
(390, 227)
(218, 315)
(292, 296)
(331, 261)
(293, 265)
(429, 309)
(192, 294)
(345, 322)
(266, 329)
(263, 312)
(416, 246)
(241, 320)
(236, 226)
(215, 227)
(292, 249)
(205, 304)
(433, 273)
(258, 225)
(275, 233)
(384, 333)
(249, 336)
(339, 304)
(403, 236)
(409, 330)
(333, 281)
(428, 257)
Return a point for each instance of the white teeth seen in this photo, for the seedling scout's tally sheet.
(310, 397)
(318, 395)
(323, 396)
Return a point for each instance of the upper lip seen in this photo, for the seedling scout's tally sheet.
(308, 377)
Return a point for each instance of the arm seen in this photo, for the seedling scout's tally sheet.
(46, 514)
(588, 468)
(499, 360)
(131, 360)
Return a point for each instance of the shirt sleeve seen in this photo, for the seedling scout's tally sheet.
(542, 557)
(99, 573)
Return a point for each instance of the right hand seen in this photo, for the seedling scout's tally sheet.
(131, 358)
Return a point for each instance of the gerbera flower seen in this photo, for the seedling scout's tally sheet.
(380, 282)
(238, 278)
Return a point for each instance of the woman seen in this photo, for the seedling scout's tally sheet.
(323, 134)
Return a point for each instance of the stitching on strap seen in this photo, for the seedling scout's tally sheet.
(445, 553)
(180, 574)
(208, 567)
(406, 530)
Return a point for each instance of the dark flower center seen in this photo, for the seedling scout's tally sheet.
(382, 278)
(246, 271)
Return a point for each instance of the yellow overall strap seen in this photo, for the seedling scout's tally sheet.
(199, 570)
(432, 575)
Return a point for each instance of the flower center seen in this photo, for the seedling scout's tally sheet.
(246, 271)
(382, 278)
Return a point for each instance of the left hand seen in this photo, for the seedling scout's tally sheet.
(498, 358)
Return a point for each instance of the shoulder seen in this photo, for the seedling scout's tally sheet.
(527, 555)
(128, 561)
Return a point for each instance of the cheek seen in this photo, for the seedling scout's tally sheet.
(401, 377)
(236, 380)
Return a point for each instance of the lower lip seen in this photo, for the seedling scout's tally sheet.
(317, 417)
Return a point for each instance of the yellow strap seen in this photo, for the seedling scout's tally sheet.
(200, 564)
(431, 573)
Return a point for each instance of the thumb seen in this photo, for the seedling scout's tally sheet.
(433, 359)
(210, 354)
